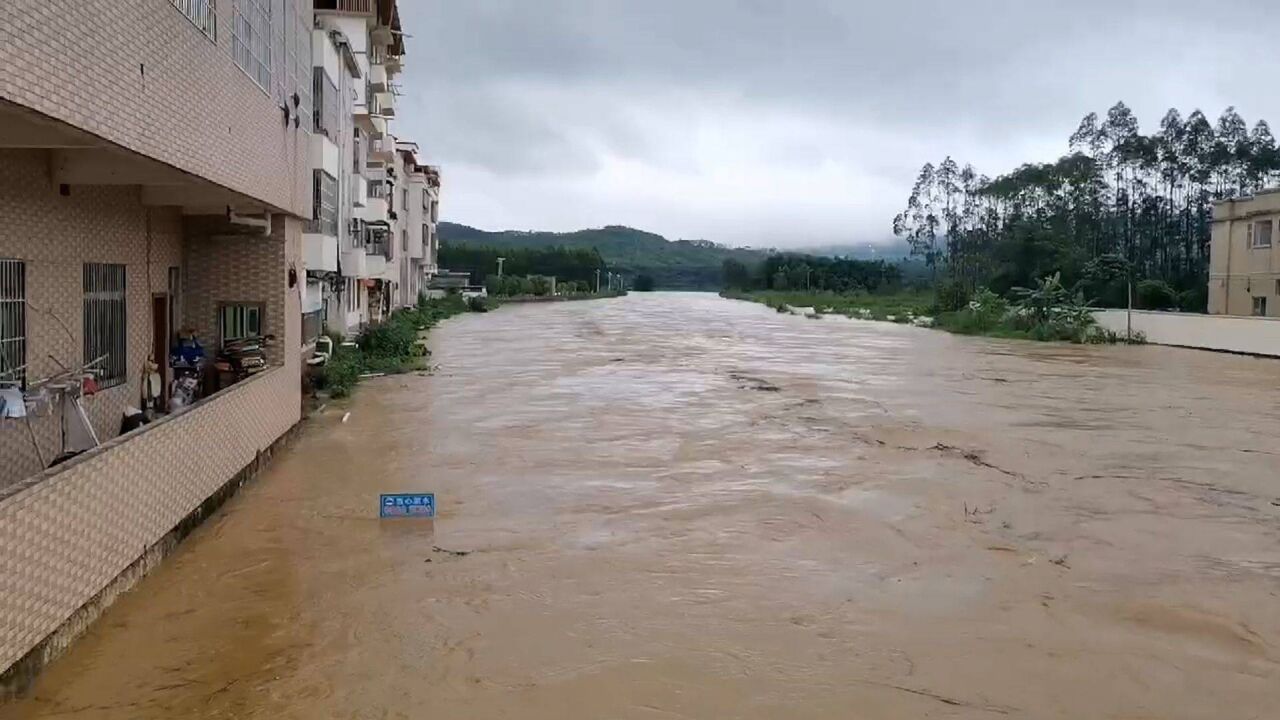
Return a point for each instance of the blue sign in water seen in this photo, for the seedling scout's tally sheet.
(407, 505)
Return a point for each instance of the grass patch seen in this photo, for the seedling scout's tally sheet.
(1046, 312)
(897, 306)
(394, 346)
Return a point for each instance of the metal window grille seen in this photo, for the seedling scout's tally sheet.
(327, 110)
(311, 325)
(202, 14)
(106, 329)
(251, 39)
(13, 320)
(324, 215)
(357, 158)
(237, 322)
(301, 47)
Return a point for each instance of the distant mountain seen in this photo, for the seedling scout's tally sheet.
(891, 251)
(674, 264)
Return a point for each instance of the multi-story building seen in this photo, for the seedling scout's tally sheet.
(373, 270)
(222, 170)
(415, 223)
(1244, 256)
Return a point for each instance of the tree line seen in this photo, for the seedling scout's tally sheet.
(1121, 206)
(794, 271)
(576, 265)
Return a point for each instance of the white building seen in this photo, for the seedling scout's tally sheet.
(366, 255)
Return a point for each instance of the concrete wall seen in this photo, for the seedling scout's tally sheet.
(68, 533)
(139, 74)
(1260, 336)
(54, 235)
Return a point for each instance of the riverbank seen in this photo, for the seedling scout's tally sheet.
(502, 299)
(1045, 314)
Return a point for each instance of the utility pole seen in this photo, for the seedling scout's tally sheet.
(597, 281)
(500, 261)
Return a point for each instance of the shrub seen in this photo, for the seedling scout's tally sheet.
(1155, 295)
(342, 371)
(951, 295)
(394, 338)
(1194, 300)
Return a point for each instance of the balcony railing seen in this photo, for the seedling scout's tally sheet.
(201, 14)
(365, 7)
(312, 324)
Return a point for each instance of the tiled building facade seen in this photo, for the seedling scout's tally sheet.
(165, 146)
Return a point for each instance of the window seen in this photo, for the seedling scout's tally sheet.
(202, 14)
(1260, 234)
(237, 321)
(426, 237)
(435, 211)
(404, 240)
(1260, 306)
(426, 201)
(1278, 288)
(13, 320)
(327, 110)
(300, 51)
(106, 330)
(404, 199)
(357, 157)
(324, 208)
(251, 39)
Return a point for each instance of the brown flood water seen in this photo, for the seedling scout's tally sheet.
(677, 506)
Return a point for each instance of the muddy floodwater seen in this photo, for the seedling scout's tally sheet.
(678, 506)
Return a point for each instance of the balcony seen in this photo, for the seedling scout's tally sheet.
(378, 78)
(355, 262)
(359, 191)
(386, 103)
(374, 210)
(319, 252)
(354, 7)
(383, 149)
(377, 266)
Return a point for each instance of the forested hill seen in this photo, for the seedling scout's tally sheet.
(673, 264)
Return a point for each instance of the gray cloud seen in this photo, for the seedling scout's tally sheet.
(785, 123)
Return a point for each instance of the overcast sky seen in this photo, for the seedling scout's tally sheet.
(789, 122)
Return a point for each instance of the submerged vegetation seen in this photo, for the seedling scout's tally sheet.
(393, 346)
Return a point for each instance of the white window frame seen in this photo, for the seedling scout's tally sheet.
(238, 320)
(251, 40)
(1255, 242)
(13, 321)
